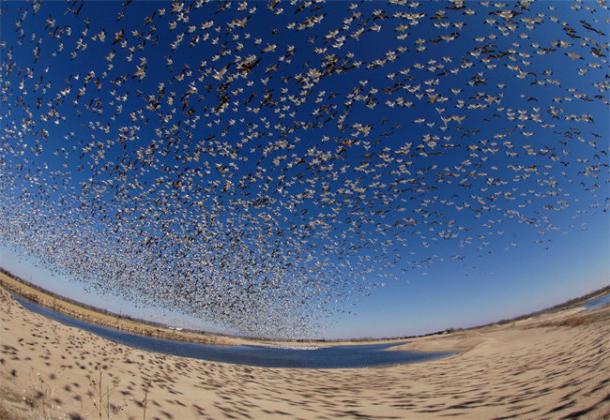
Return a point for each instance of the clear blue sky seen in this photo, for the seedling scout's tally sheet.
(496, 215)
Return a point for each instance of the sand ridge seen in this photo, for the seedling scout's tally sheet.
(534, 368)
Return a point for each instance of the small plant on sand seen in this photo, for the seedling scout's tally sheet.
(100, 396)
(145, 402)
(40, 398)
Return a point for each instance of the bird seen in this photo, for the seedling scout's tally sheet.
(253, 166)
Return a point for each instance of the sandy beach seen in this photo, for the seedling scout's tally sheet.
(553, 365)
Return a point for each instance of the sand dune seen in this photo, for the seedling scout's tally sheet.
(550, 366)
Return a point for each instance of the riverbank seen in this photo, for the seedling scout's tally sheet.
(551, 365)
(108, 319)
(104, 318)
(276, 356)
(127, 324)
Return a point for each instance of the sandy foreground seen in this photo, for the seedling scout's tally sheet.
(555, 365)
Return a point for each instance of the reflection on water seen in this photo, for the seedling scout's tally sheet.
(353, 356)
(598, 302)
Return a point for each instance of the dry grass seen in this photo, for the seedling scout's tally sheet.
(600, 315)
(35, 403)
(11, 405)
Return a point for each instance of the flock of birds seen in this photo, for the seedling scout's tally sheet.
(261, 164)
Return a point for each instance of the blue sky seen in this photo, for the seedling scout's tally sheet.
(502, 286)
(470, 232)
(513, 283)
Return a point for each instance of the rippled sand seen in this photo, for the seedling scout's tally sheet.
(551, 366)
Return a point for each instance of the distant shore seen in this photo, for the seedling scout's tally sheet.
(94, 315)
(88, 313)
(99, 316)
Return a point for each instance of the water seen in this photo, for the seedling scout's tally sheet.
(598, 302)
(354, 356)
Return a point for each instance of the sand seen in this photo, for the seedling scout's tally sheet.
(552, 365)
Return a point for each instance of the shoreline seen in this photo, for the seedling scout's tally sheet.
(259, 355)
(98, 316)
(552, 365)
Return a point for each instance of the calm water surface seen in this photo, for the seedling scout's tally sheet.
(356, 356)
(598, 302)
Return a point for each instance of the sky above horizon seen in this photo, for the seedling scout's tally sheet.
(313, 169)
(444, 297)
